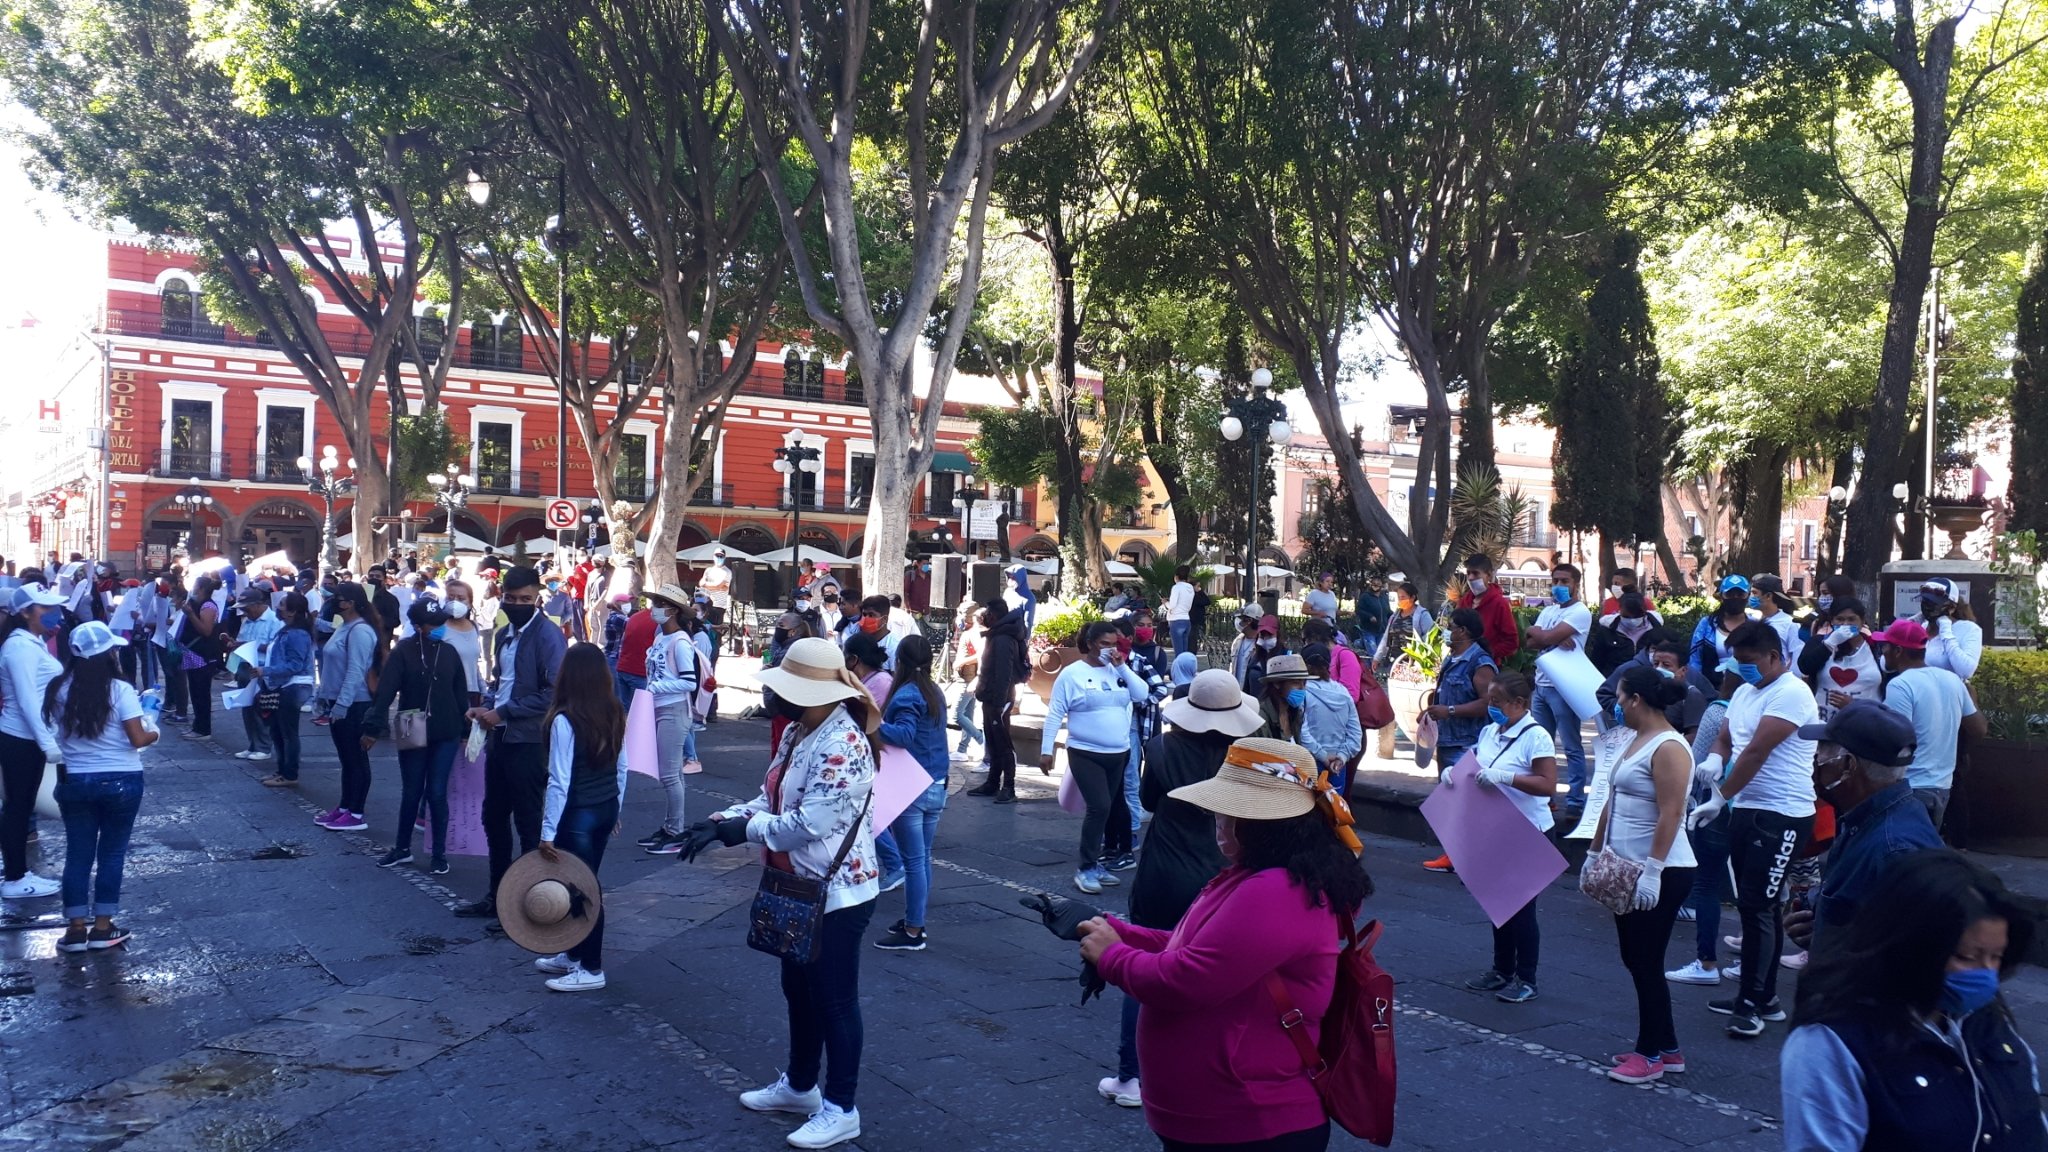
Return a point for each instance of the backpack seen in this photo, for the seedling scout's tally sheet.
(1353, 1067)
(1608, 649)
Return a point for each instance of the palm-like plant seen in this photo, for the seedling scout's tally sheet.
(1157, 578)
(1486, 516)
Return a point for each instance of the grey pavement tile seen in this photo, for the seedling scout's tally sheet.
(296, 1040)
(351, 1009)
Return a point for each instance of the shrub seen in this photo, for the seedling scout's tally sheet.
(1682, 614)
(1062, 626)
(2012, 691)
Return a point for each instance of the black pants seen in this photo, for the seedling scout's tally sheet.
(1117, 834)
(996, 742)
(1307, 1140)
(199, 686)
(1643, 936)
(1516, 943)
(515, 788)
(1761, 846)
(583, 832)
(1100, 777)
(347, 732)
(21, 770)
(825, 1030)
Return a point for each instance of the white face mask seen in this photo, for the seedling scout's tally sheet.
(1269, 642)
(1614, 590)
(457, 609)
(660, 615)
(1477, 586)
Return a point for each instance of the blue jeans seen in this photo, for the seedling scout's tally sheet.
(963, 717)
(582, 833)
(99, 814)
(914, 831)
(1562, 723)
(825, 1031)
(1178, 629)
(1709, 883)
(627, 683)
(1127, 1041)
(1131, 781)
(424, 772)
(284, 727)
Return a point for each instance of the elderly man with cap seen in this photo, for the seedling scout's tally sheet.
(1955, 640)
(260, 625)
(1938, 705)
(1860, 768)
(529, 655)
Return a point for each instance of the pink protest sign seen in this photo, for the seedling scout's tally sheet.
(466, 805)
(643, 751)
(1502, 858)
(899, 780)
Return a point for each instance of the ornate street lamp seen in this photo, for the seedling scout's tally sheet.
(192, 500)
(1262, 418)
(793, 461)
(323, 479)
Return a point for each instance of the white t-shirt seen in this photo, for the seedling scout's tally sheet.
(1575, 614)
(1788, 634)
(110, 751)
(1785, 782)
(1854, 674)
(717, 584)
(1318, 603)
(1935, 700)
(1517, 749)
(1632, 807)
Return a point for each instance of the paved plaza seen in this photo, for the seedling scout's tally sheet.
(283, 993)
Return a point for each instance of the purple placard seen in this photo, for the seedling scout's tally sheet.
(899, 780)
(1502, 858)
(466, 805)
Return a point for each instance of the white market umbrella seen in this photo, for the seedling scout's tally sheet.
(279, 560)
(1044, 566)
(703, 554)
(811, 552)
(1272, 572)
(209, 566)
(1219, 569)
(1120, 569)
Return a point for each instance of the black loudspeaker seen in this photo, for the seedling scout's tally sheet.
(742, 581)
(985, 578)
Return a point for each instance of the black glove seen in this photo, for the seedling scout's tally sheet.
(696, 838)
(1092, 983)
(731, 833)
(1062, 917)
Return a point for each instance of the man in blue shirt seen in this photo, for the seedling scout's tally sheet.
(1860, 768)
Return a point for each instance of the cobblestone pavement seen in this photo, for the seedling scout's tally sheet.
(282, 993)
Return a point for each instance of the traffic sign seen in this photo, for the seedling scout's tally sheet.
(562, 515)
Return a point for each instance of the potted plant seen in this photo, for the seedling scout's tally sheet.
(1053, 642)
(1413, 677)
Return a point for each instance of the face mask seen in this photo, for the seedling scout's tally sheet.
(1477, 586)
(1143, 635)
(1269, 642)
(554, 585)
(831, 599)
(1666, 673)
(53, 618)
(519, 614)
(1617, 713)
(458, 608)
(1823, 603)
(1750, 673)
(1933, 608)
(871, 623)
(1497, 716)
(660, 615)
(1965, 992)
(440, 633)
(1756, 602)
(1296, 698)
(1562, 593)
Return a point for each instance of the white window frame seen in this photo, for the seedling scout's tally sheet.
(794, 438)
(171, 390)
(646, 429)
(268, 398)
(858, 448)
(490, 414)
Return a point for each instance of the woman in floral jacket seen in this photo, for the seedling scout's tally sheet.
(815, 794)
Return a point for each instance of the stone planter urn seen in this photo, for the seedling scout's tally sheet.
(1046, 664)
(1408, 691)
(1958, 520)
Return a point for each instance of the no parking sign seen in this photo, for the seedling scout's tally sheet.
(561, 515)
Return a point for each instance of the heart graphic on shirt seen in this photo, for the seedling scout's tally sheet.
(1843, 677)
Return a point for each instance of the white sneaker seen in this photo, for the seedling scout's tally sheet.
(244, 754)
(257, 756)
(1694, 973)
(1793, 961)
(780, 1097)
(1732, 971)
(557, 965)
(1734, 942)
(29, 887)
(1087, 882)
(577, 980)
(826, 1127)
(1124, 1092)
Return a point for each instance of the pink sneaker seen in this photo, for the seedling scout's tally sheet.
(1635, 1068)
(328, 817)
(347, 822)
(692, 767)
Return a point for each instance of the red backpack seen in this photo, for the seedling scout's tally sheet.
(1353, 1067)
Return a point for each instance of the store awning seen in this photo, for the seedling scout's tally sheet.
(952, 462)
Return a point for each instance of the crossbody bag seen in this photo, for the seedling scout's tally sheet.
(789, 909)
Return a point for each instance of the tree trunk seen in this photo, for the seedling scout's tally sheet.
(1082, 533)
(672, 499)
(1673, 574)
(1161, 439)
(373, 490)
(896, 474)
(1758, 496)
(1926, 81)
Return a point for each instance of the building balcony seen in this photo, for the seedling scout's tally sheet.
(504, 482)
(182, 464)
(510, 358)
(712, 495)
(639, 489)
(278, 470)
(137, 322)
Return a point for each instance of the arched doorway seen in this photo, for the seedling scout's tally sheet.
(751, 539)
(691, 535)
(288, 526)
(170, 529)
(1136, 553)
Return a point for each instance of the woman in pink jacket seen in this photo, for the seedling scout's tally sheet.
(1220, 1073)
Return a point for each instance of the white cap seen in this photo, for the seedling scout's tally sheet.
(93, 638)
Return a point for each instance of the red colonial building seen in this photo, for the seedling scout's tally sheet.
(174, 430)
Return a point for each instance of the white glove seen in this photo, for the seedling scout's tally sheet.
(1444, 777)
(1650, 885)
(1502, 778)
(1710, 770)
(1708, 812)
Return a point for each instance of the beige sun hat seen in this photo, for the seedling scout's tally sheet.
(812, 673)
(549, 906)
(1214, 704)
(1286, 666)
(671, 594)
(1260, 779)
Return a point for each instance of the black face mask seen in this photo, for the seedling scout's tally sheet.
(787, 710)
(519, 614)
(1930, 607)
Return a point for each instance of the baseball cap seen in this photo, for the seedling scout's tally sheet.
(1734, 583)
(92, 638)
(29, 595)
(1903, 633)
(1939, 588)
(1867, 730)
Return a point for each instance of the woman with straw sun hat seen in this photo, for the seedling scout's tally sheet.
(811, 820)
(1222, 1069)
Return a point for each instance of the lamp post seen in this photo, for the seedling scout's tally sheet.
(592, 516)
(963, 502)
(559, 239)
(322, 480)
(452, 487)
(943, 536)
(794, 461)
(193, 500)
(1838, 505)
(1260, 417)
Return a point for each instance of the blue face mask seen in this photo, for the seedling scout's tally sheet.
(1750, 673)
(1562, 593)
(53, 618)
(440, 633)
(1965, 992)
(1617, 713)
(1497, 716)
(1756, 602)
(1296, 698)
(1823, 603)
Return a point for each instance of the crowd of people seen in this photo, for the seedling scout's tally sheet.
(1797, 762)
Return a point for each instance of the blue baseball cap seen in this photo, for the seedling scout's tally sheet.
(1734, 584)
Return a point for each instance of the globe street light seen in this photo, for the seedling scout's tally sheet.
(323, 480)
(1261, 417)
(479, 189)
(794, 461)
(452, 487)
(193, 500)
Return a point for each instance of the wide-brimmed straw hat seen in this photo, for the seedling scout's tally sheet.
(813, 672)
(549, 906)
(1260, 779)
(672, 594)
(1286, 666)
(1214, 704)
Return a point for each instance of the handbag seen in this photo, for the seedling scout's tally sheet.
(1375, 707)
(409, 725)
(267, 702)
(788, 909)
(1611, 881)
(1352, 1065)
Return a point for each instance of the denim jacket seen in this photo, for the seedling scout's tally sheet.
(1454, 687)
(908, 725)
(1867, 838)
(290, 657)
